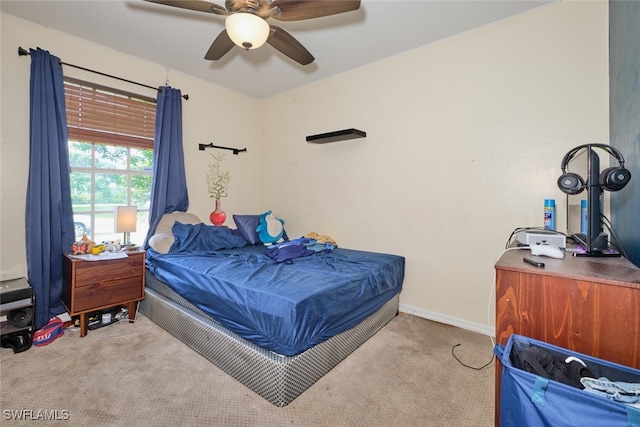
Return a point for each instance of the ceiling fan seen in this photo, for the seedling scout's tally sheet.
(246, 24)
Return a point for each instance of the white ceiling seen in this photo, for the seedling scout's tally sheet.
(178, 39)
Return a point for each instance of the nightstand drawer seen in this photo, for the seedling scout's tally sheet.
(107, 293)
(91, 273)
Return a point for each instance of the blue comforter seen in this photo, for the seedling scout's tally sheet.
(286, 308)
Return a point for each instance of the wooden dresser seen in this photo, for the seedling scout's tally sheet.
(95, 285)
(584, 304)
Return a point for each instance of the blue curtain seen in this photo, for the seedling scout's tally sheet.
(169, 186)
(49, 215)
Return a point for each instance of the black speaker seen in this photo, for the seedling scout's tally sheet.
(611, 179)
(20, 317)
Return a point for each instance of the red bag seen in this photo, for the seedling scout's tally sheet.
(49, 332)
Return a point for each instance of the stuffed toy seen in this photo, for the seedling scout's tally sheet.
(79, 247)
(112, 245)
(90, 244)
(271, 229)
(82, 246)
(97, 249)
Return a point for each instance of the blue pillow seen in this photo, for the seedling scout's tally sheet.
(247, 225)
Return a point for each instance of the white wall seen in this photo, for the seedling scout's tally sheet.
(210, 115)
(464, 142)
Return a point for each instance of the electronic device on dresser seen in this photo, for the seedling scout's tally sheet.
(528, 237)
(613, 178)
(546, 250)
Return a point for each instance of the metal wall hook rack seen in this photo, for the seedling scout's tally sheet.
(201, 147)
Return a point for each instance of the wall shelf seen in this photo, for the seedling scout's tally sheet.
(339, 135)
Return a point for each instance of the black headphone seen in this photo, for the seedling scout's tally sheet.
(611, 179)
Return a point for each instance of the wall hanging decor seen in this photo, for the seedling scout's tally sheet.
(217, 183)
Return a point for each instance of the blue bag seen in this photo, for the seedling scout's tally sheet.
(527, 399)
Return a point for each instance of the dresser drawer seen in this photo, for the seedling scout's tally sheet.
(107, 293)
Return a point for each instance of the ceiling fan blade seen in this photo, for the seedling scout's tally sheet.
(220, 46)
(197, 5)
(298, 10)
(285, 43)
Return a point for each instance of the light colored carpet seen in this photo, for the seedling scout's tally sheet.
(138, 374)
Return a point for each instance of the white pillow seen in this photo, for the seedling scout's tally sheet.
(163, 238)
(166, 222)
(161, 242)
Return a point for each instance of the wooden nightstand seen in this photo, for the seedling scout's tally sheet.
(95, 285)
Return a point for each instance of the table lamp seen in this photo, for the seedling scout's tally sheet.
(126, 221)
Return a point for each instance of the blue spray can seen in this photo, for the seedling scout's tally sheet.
(550, 214)
(583, 217)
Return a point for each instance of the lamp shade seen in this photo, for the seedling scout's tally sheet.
(126, 219)
(247, 30)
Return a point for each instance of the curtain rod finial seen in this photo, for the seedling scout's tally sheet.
(22, 52)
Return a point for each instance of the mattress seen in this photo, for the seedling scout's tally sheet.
(284, 308)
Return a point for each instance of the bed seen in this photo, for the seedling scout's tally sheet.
(276, 325)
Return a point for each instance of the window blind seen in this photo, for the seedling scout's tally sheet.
(98, 115)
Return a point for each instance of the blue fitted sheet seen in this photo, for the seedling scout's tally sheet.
(285, 308)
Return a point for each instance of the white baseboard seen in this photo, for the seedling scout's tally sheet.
(448, 320)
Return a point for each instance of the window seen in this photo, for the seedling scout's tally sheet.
(110, 157)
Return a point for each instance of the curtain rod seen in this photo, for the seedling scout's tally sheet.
(23, 52)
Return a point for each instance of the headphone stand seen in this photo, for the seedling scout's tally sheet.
(598, 255)
(594, 241)
(610, 179)
(581, 238)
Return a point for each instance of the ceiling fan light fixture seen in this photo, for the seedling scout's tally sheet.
(247, 30)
